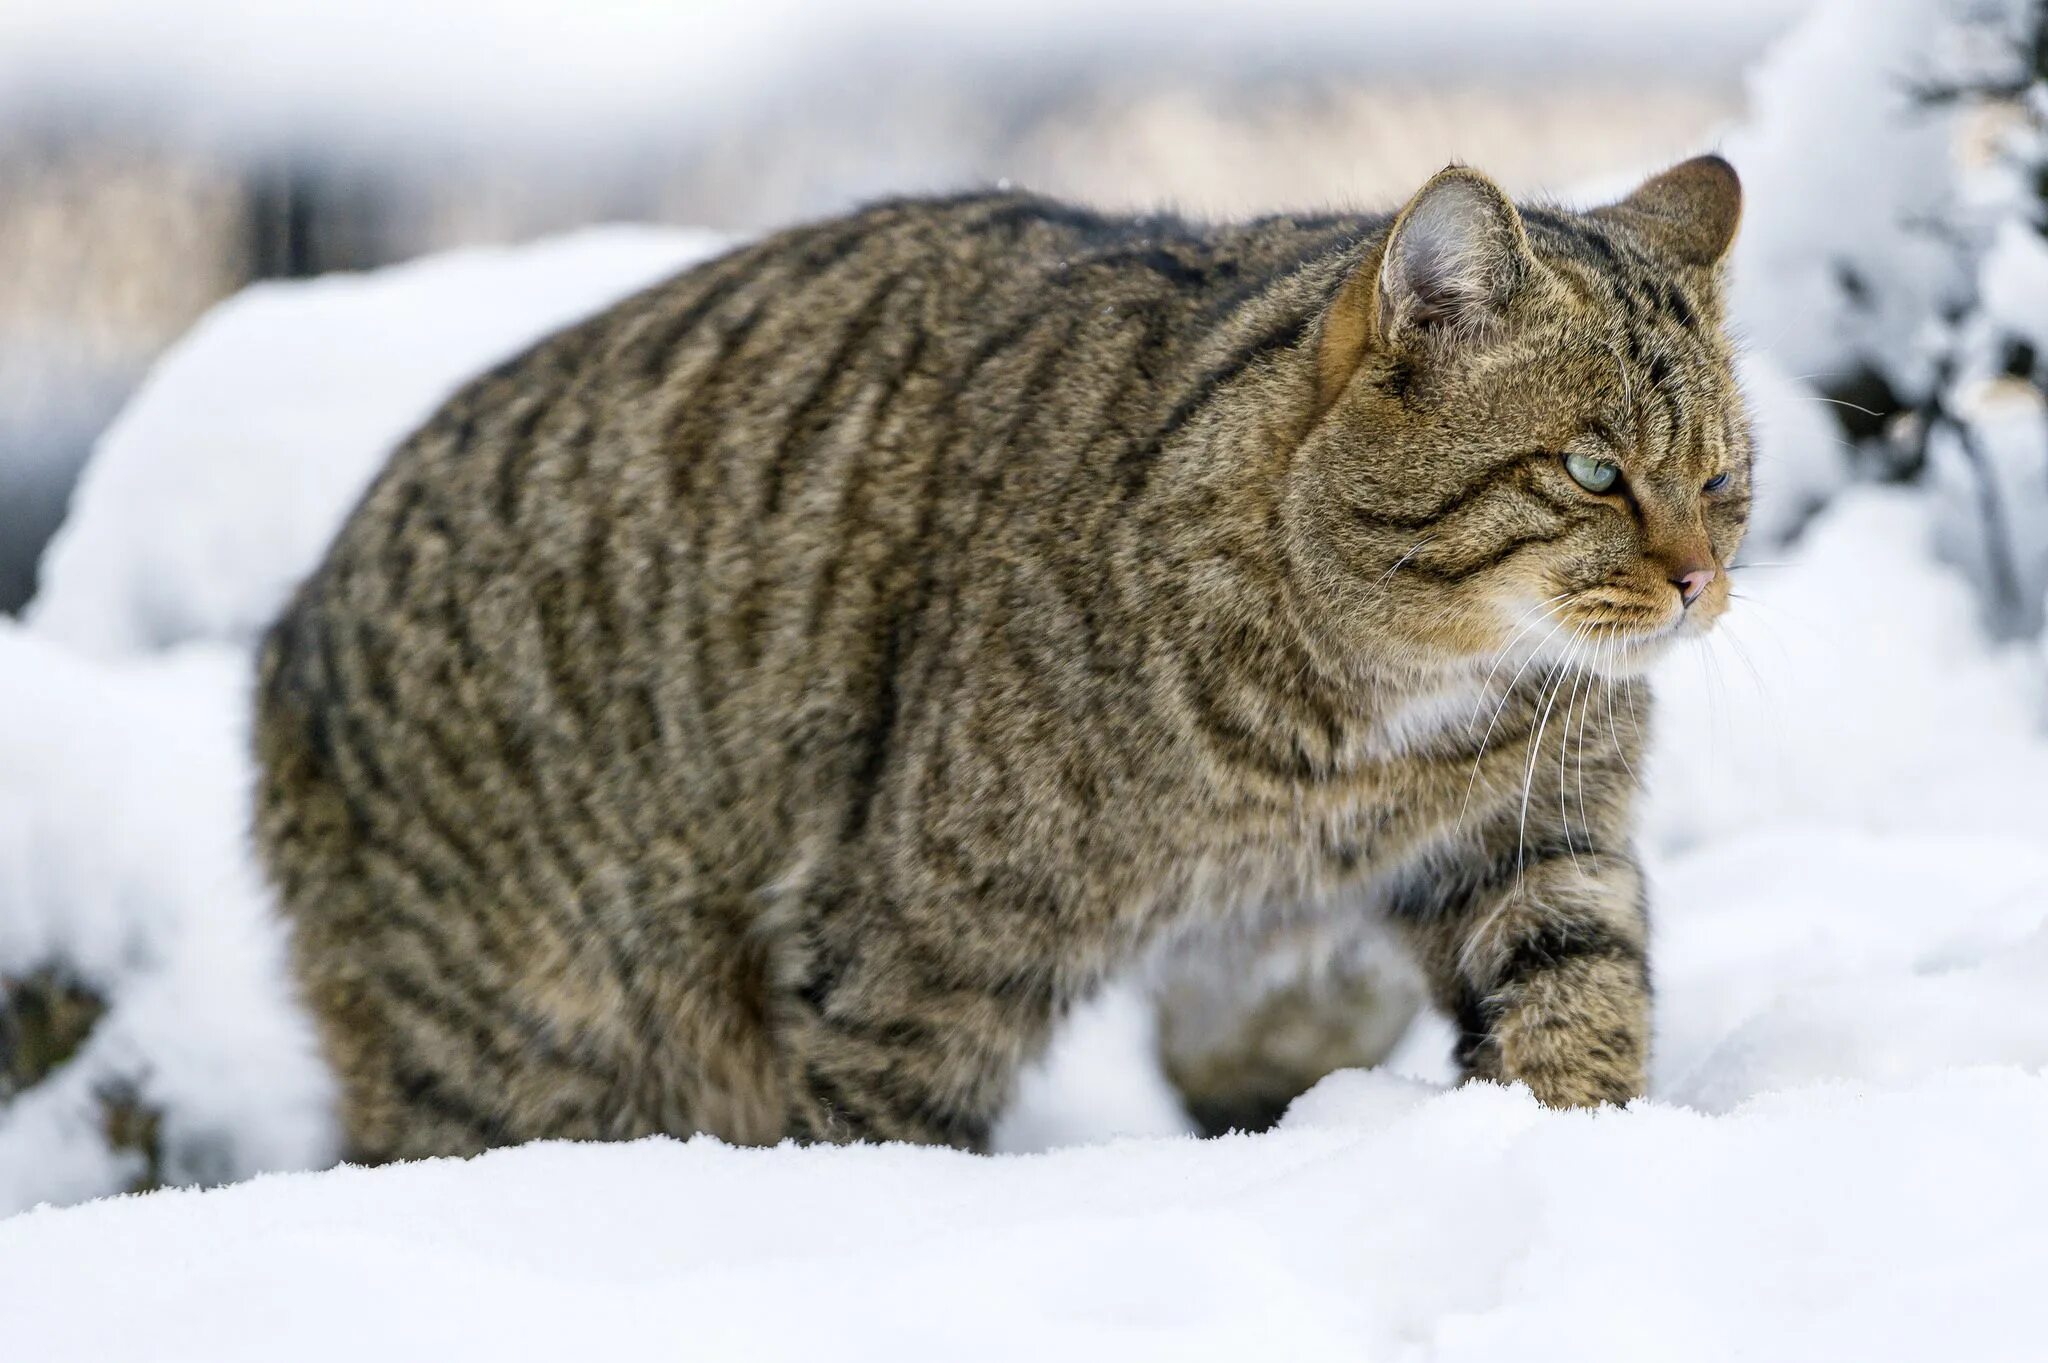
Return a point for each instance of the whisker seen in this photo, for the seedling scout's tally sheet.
(1486, 739)
(1580, 677)
(1502, 656)
(1766, 604)
(1555, 680)
(1727, 632)
(1707, 690)
(1764, 697)
(1777, 640)
(1852, 406)
(1635, 714)
(1613, 727)
(1601, 641)
(1413, 550)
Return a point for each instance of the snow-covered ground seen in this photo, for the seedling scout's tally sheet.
(1842, 1221)
(1839, 1157)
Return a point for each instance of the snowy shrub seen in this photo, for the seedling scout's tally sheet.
(1892, 254)
(1987, 425)
(1839, 272)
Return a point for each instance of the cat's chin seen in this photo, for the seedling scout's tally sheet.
(1618, 656)
(1629, 656)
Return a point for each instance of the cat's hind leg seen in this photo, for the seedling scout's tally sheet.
(1246, 1027)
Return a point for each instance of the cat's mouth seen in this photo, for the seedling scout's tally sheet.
(1625, 644)
(1605, 635)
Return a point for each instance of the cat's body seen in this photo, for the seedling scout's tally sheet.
(763, 708)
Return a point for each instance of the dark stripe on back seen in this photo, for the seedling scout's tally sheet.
(1134, 468)
(802, 426)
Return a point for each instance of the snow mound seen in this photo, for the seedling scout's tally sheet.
(1838, 1222)
(123, 803)
(221, 482)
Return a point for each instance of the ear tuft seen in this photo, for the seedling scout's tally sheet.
(1690, 212)
(1455, 254)
(1450, 264)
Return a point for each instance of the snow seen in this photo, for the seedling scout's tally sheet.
(1839, 1156)
(123, 798)
(2014, 283)
(1843, 173)
(1841, 1222)
(1994, 492)
(1874, 702)
(396, 77)
(1991, 464)
(1803, 459)
(222, 480)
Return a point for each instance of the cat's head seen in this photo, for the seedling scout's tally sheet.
(1528, 434)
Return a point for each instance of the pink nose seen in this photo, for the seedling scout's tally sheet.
(1691, 584)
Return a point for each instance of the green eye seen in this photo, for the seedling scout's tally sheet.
(1594, 475)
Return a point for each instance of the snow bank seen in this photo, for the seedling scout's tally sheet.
(1851, 878)
(223, 479)
(123, 800)
(1843, 1222)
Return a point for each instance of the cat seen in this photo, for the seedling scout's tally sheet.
(764, 708)
(1248, 1021)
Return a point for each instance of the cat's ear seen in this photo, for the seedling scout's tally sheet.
(1451, 263)
(1689, 213)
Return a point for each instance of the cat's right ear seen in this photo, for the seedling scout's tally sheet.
(1450, 264)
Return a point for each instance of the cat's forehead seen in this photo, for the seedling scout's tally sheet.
(1626, 276)
(1650, 361)
(1681, 412)
(1587, 368)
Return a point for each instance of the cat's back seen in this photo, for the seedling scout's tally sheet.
(732, 500)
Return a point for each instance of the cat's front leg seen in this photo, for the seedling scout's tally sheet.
(1541, 964)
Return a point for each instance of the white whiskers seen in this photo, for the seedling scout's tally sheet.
(1549, 610)
(1551, 685)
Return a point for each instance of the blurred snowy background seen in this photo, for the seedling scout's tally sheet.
(243, 248)
(156, 157)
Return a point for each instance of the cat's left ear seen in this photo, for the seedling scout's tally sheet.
(1450, 265)
(1689, 213)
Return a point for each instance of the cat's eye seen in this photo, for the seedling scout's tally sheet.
(1715, 483)
(1594, 475)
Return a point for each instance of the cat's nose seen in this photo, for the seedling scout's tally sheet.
(1691, 583)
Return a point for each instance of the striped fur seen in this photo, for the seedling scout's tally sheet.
(763, 708)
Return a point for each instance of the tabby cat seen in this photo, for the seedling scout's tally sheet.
(763, 708)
